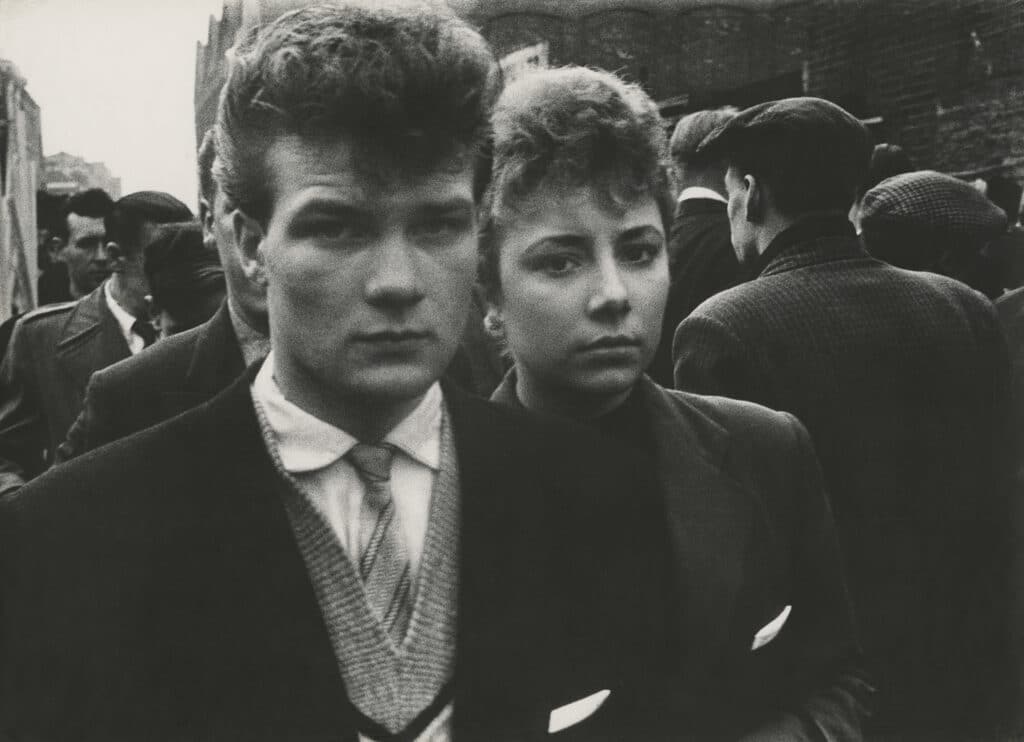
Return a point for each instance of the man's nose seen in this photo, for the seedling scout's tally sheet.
(393, 278)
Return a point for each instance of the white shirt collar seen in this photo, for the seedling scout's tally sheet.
(125, 319)
(692, 192)
(307, 443)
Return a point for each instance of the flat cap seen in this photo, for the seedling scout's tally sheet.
(807, 144)
(928, 200)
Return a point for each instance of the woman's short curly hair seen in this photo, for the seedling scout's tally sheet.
(570, 127)
(409, 81)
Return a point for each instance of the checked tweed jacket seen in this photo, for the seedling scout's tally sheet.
(902, 381)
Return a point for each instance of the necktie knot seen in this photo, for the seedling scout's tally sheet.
(372, 462)
(145, 331)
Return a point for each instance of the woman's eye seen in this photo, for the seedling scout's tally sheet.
(639, 253)
(556, 264)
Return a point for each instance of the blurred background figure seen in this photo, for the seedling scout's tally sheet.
(928, 221)
(887, 160)
(186, 280)
(53, 273)
(54, 350)
(701, 258)
(190, 367)
(82, 235)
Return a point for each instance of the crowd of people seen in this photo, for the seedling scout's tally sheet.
(467, 410)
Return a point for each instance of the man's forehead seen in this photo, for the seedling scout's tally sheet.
(82, 225)
(344, 160)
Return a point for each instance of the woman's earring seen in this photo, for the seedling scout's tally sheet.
(494, 324)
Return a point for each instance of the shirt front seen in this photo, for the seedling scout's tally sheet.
(125, 321)
(313, 452)
(694, 192)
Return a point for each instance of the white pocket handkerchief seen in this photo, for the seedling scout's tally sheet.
(771, 629)
(575, 712)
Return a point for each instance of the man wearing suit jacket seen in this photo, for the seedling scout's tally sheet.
(901, 379)
(54, 350)
(701, 258)
(191, 367)
(338, 546)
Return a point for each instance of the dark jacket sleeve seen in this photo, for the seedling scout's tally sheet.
(94, 425)
(22, 430)
(832, 695)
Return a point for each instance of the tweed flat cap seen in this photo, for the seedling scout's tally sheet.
(806, 143)
(929, 200)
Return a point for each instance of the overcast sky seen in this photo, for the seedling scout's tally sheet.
(114, 82)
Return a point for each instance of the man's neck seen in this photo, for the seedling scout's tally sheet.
(128, 294)
(367, 419)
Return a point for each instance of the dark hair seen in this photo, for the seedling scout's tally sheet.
(204, 160)
(573, 126)
(693, 129)
(887, 160)
(94, 203)
(127, 216)
(414, 84)
(180, 270)
(812, 154)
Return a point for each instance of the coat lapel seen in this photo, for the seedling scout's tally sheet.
(263, 563)
(90, 340)
(216, 361)
(709, 519)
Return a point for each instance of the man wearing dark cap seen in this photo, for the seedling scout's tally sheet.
(701, 259)
(901, 379)
(929, 221)
(191, 367)
(55, 349)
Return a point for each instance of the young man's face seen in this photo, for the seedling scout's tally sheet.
(85, 253)
(368, 270)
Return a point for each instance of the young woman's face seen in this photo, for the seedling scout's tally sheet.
(583, 289)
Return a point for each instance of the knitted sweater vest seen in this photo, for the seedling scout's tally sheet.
(390, 685)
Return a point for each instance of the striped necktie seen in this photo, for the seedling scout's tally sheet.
(383, 558)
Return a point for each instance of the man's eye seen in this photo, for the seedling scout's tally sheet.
(330, 230)
(442, 226)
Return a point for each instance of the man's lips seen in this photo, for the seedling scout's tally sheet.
(393, 336)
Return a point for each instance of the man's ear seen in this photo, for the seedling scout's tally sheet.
(249, 237)
(756, 198)
(116, 257)
(206, 220)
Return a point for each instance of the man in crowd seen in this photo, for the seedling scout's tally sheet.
(82, 234)
(901, 379)
(702, 261)
(189, 368)
(54, 350)
(186, 280)
(337, 546)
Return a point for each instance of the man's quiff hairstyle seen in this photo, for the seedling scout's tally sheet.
(567, 128)
(407, 81)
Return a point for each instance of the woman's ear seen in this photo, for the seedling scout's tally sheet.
(249, 237)
(494, 323)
